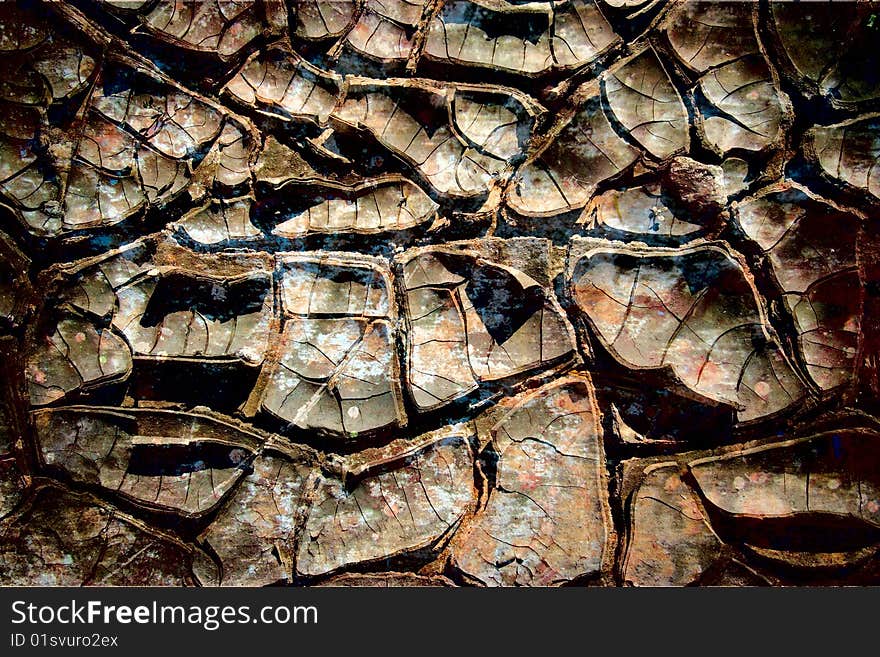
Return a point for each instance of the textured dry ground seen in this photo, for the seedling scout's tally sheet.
(376, 292)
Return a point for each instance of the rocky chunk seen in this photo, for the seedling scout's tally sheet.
(811, 247)
(547, 520)
(684, 199)
(164, 460)
(470, 321)
(699, 189)
(42, 64)
(398, 508)
(67, 539)
(335, 368)
(693, 311)
(805, 504)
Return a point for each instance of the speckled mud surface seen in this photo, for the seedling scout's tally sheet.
(390, 293)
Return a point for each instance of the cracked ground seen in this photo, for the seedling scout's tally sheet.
(474, 293)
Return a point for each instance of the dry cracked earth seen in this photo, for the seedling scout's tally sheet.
(387, 292)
